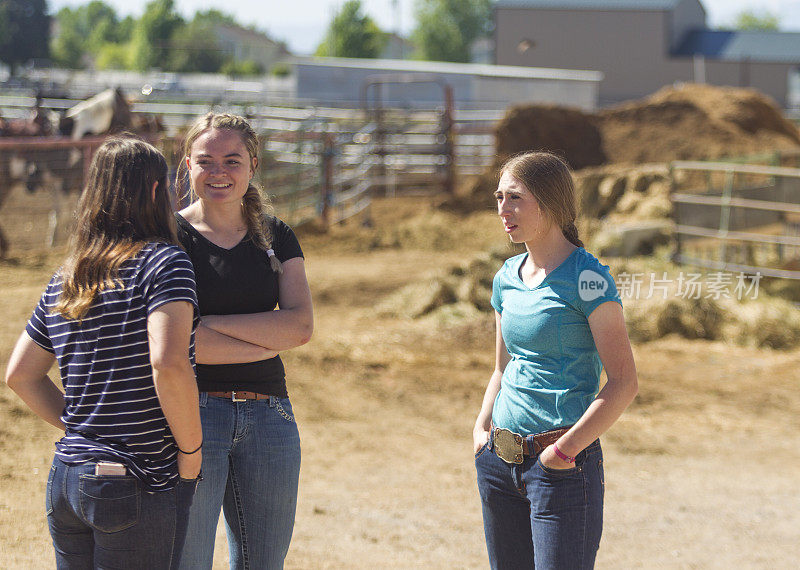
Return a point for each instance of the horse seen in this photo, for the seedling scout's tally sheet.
(46, 160)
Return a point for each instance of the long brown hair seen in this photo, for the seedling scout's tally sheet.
(255, 207)
(116, 217)
(550, 181)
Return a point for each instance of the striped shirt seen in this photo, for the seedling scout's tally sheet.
(112, 411)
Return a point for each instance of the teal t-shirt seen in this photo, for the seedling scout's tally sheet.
(554, 372)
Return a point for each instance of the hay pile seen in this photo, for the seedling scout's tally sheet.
(689, 121)
(626, 192)
(464, 289)
(568, 132)
(462, 293)
(694, 121)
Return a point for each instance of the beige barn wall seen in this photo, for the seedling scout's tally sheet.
(630, 48)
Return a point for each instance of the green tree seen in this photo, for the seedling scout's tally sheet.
(113, 56)
(68, 48)
(214, 17)
(242, 68)
(153, 33)
(352, 34)
(446, 29)
(194, 48)
(752, 20)
(24, 31)
(83, 33)
(102, 23)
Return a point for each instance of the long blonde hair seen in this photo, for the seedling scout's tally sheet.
(549, 179)
(116, 217)
(256, 209)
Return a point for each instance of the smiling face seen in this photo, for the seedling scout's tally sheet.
(523, 218)
(220, 168)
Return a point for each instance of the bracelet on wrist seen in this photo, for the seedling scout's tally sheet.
(562, 456)
(199, 447)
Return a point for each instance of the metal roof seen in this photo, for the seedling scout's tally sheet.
(440, 67)
(657, 5)
(728, 45)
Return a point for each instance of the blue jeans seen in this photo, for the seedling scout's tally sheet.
(536, 517)
(251, 466)
(114, 521)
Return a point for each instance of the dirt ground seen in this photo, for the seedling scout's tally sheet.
(701, 471)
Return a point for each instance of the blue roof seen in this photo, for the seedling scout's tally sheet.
(591, 4)
(779, 47)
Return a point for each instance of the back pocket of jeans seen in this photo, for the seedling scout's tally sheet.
(109, 503)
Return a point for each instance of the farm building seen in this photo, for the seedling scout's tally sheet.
(341, 81)
(642, 45)
(246, 44)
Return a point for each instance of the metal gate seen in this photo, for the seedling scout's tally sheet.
(740, 218)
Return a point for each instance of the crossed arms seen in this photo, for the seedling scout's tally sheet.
(230, 339)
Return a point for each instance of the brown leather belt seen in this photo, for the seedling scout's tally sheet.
(513, 448)
(239, 395)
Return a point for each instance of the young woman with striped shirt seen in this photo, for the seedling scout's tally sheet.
(118, 317)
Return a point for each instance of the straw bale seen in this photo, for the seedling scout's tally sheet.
(626, 239)
(419, 299)
(766, 322)
(455, 313)
(629, 202)
(650, 319)
(612, 187)
(461, 294)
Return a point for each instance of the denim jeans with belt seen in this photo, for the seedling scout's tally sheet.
(105, 521)
(251, 467)
(537, 517)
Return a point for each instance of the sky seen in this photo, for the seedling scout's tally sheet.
(302, 23)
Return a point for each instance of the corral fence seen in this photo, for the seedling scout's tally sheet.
(789, 158)
(736, 217)
(318, 163)
(40, 178)
(329, 162)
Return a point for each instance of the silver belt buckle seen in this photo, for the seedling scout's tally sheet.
(235, 399)
(508, 445)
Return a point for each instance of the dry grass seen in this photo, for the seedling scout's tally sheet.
(698, 471)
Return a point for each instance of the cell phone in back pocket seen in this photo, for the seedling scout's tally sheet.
(109, 468)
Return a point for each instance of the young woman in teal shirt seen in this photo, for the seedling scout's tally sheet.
(559, 322)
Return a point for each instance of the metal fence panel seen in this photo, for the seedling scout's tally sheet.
(744, 218)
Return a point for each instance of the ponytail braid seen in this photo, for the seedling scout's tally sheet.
(254, 209)
(570, 231)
